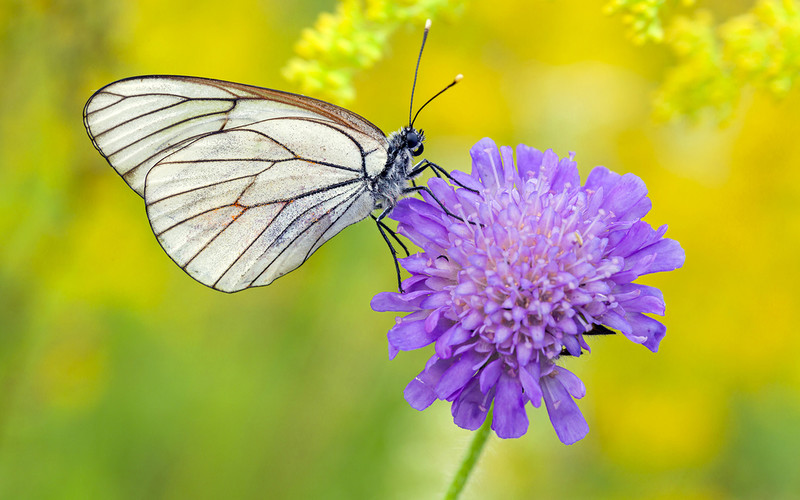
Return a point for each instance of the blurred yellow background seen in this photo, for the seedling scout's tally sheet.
(121, 377)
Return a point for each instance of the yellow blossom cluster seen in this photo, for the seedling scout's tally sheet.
(758, 49)
(351, 39)
(715, 61)
(642, 17)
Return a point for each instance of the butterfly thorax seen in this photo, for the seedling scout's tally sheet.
(390, 185)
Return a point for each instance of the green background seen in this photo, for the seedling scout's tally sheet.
(121, 377)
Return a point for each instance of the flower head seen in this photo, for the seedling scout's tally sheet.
(533, 262)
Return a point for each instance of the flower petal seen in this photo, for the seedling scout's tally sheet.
(443, 191)
(457, 376)
(528, 161)
(625, 195)
(509, 419)
(466, 180)
(634, 239)
(601, 177)
(615, 321)
(487, 162)
(415, 263)
(669, 256)
(393, 301)
(646, 299)
(471, 406)
(566, 417)
(490, 374)
(651, 330)
(570, 381)
(566, 174)
(531, 387)
(408, 335)
(444, 346)
(509, 172)
(548, 169)
(419, 392)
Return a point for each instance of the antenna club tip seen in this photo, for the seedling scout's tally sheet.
(428, 24)
(458, 78)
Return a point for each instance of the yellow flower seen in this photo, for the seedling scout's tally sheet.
(352, 39)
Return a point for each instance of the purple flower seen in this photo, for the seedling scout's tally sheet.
(537, 263)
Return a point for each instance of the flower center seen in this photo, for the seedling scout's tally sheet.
(542, 262)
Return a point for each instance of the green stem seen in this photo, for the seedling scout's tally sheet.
(474, 452)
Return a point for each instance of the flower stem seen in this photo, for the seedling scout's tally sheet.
(471, 458)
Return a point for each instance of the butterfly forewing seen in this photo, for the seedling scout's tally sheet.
(135, 122)
(241, 184)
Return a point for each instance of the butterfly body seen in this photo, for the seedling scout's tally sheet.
(392, 182)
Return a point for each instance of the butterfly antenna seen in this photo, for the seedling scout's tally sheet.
(455, 80)
(416, 70)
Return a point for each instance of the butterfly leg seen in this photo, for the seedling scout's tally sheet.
(418, 169)
(417, 189)
(393, 234)
(384, 229)
(596, 330)
(421, 166)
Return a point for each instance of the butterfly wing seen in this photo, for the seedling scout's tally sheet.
(136, 122)
(241, 184)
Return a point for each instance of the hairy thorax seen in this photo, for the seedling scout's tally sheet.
(389, 185)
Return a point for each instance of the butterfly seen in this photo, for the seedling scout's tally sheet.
(241, 184)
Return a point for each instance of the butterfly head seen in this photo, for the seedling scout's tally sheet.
(403, 146)
(413, 140)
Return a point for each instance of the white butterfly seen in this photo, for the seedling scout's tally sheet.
(242, 184)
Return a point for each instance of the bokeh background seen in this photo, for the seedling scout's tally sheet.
(121, 377)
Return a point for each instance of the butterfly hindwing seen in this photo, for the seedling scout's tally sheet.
(236, 209)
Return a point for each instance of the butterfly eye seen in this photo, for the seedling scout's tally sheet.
(414, 142)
